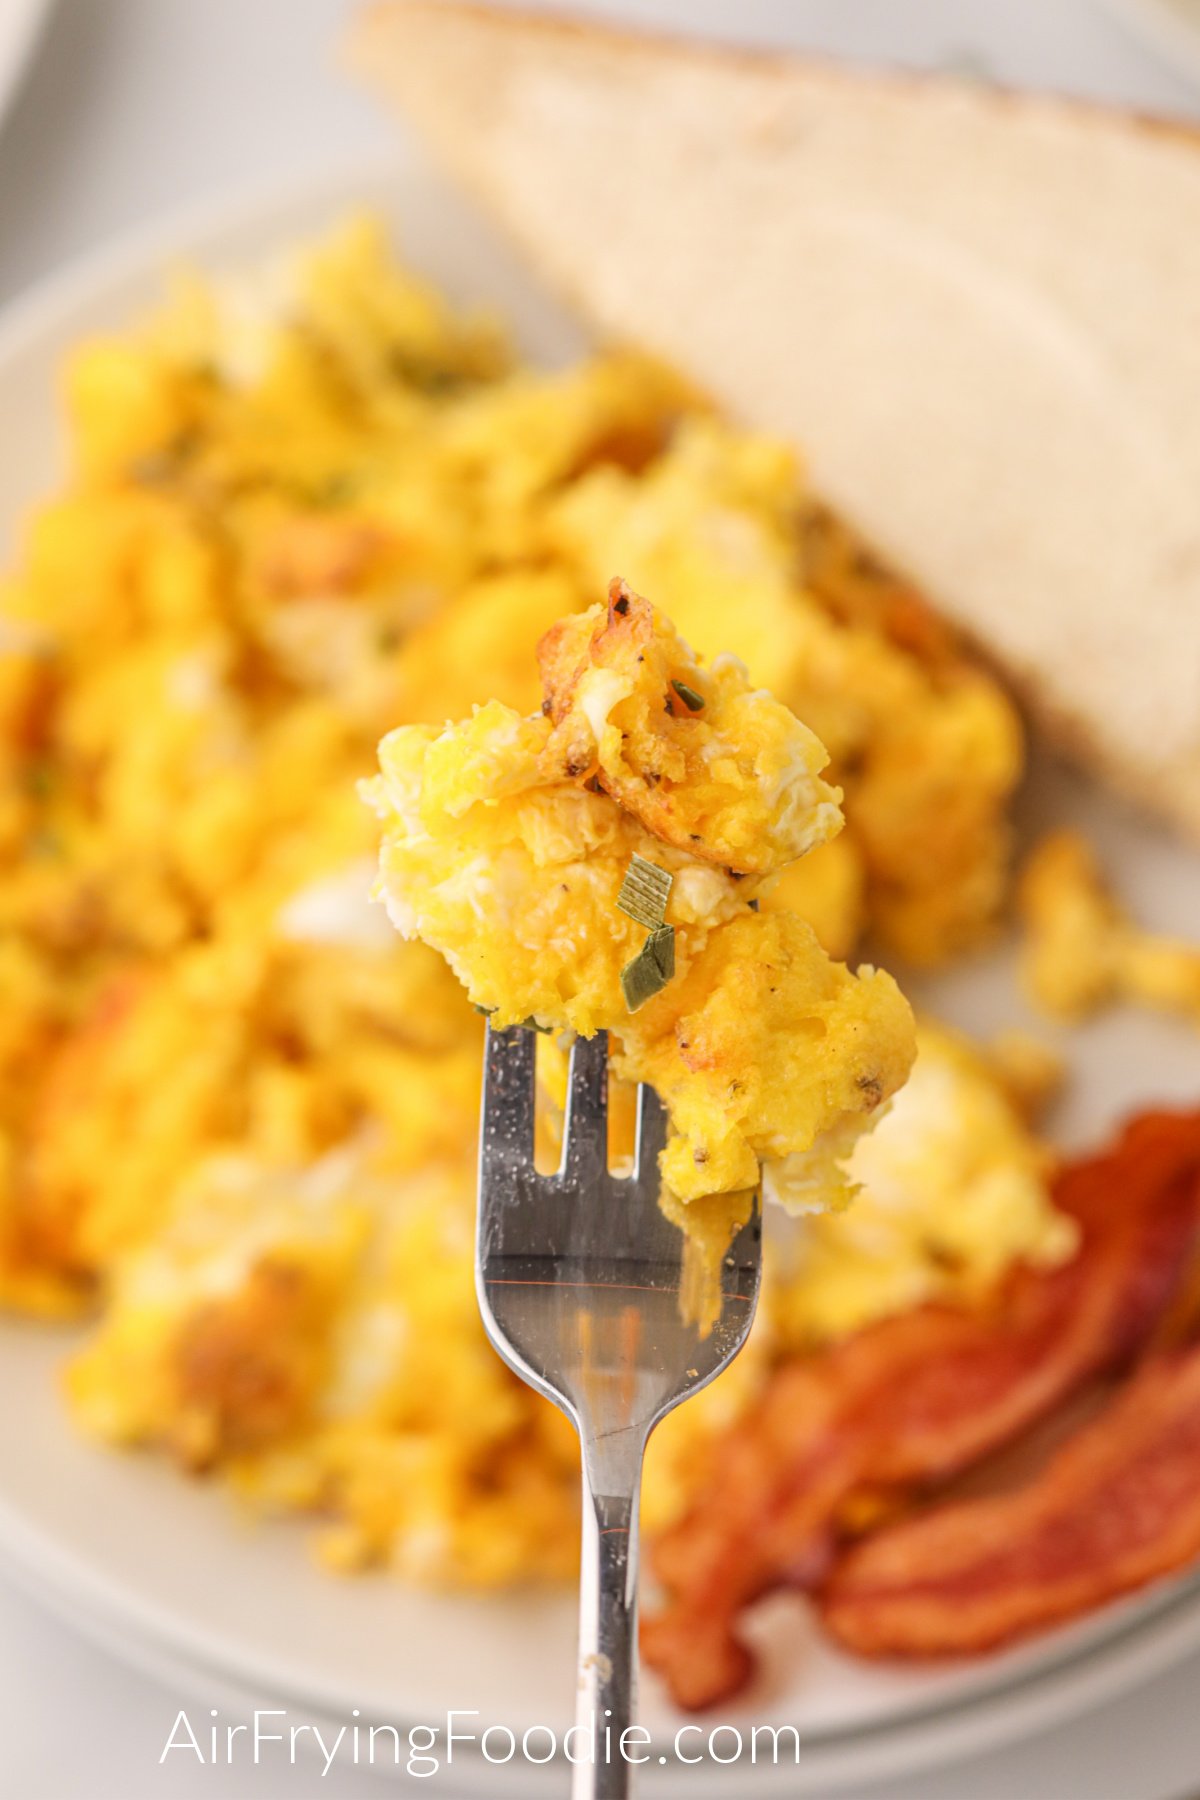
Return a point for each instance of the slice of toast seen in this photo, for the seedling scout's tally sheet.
(977, 313)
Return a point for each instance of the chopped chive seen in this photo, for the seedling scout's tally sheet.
(691, 699)
(643, 898)
(661, 945)
(651, 969)
(644, 893)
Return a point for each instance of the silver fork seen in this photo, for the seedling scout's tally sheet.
(578, 1275)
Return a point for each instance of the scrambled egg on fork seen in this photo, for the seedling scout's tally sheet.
(506, 843)
(707, 763)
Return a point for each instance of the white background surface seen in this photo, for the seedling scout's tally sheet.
(136, 106)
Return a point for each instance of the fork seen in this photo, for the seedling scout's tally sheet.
(578, 1275)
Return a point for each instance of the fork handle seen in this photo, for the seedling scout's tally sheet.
(607, 1644)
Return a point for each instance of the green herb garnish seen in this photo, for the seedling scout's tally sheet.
(643, 898)
(644, 893)
(651, 969)
(691, 699)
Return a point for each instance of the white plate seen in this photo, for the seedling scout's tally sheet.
(21, 23)
(167, 1571)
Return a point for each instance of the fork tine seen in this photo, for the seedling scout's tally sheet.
(508, 1099)
(743, 1259)
(651, 1134)
(585, 1130)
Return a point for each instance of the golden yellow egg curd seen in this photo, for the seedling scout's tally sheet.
(511, 844)
(707, 763)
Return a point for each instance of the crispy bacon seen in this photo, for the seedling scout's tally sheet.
(1119, 1506)
(917, 1399)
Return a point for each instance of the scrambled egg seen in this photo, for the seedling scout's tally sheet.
(1082, 953)
(707, 763)
(951, 1190)
(506, 841)
(234, 1106)
(313, 1330)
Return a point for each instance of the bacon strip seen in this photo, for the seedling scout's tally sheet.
(1118, 1507)
(917, 1399)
